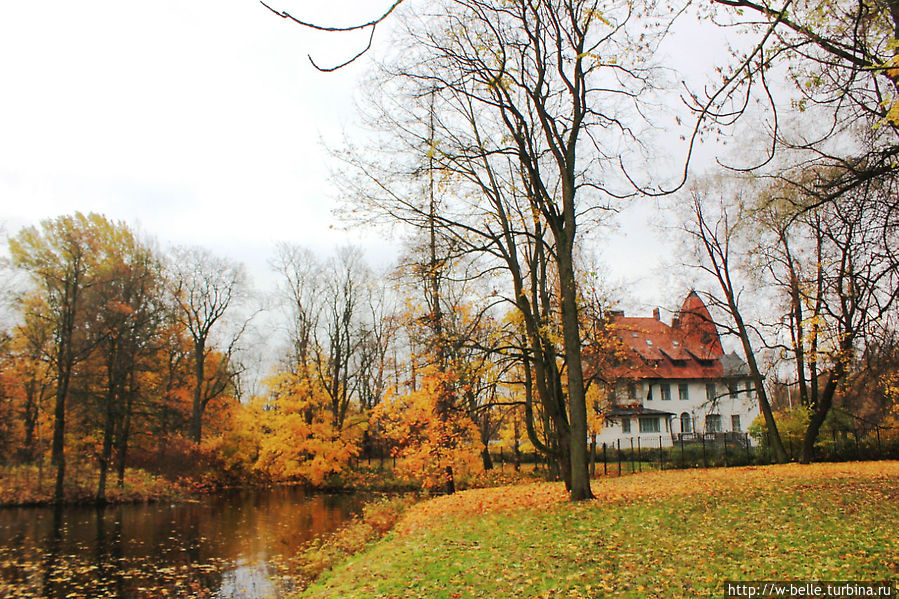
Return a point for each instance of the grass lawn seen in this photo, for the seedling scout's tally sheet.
(658, 534)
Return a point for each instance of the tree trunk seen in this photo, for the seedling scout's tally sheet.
(59, 425)
(819, 414)
(196, 420)
(106, 452)
(580, 475)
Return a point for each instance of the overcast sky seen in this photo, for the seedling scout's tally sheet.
(200, 122)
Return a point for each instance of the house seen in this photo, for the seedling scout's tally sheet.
(674, 382)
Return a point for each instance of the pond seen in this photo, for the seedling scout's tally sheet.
(240, 544)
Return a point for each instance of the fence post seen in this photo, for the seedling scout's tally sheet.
(639, 456)
(858, 449)
(661, 455)
(633, 457)
(605, 463)
(619, 457)
(683, 460)
(705, 463)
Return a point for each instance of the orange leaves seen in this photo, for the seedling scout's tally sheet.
(646, 486)
(299, 440)
(475, 502)
(424, 443)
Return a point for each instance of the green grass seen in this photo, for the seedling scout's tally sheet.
(683, 539)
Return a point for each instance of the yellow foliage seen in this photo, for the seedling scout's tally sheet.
(424, 443)
(299, 440)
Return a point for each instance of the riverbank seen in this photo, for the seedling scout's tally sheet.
(28, 485)
(658, 534)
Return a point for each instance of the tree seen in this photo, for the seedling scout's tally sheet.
(61, 259)
(337, 349)
(300, 288)
(543, 94)
(300, 440)
(715, 238)
(204, 288)
(130, 307)
(339, 324)
(427, 443)
(839, 59)
(833, 264)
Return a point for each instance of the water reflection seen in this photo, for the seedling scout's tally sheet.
(236, 545)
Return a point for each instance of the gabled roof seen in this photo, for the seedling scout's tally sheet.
(690, 348)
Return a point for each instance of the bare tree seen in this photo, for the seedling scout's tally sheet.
(838, 110)
(204, 288)
(716, 241)
(532, 115)
(835, 268)
(301, 288)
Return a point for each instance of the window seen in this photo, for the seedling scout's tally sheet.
(686, 423)
(735, 423)
(649, 425)
(631, 391)
(649, 393)
(732, 389)
(666, 392)
(683, 391)
(749, 388)
(625, 425)
(713, 423)
(711, 393)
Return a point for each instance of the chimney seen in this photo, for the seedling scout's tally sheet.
(656, 314)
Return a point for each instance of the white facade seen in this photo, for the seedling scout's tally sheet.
(651, 412)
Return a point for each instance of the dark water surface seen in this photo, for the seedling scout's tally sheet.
(239, 544)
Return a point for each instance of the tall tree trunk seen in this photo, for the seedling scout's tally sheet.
(821, 407)
(577, 402)
(59, 433)
(106, 452)
(65, 359)
(196, 419)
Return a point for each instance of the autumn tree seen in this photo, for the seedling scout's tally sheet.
(300, 441)
(554, 90)
(833, 265)
(130, 311)
(715, 229)
(204, 288)
(825, 78)
(61, 258)
(30, 377)
(427, 443)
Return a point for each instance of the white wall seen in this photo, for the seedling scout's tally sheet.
(744, 405)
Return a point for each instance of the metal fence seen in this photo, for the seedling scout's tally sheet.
(706, 450)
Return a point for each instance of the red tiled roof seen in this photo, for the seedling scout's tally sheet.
(654, 350)
(697, 325)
